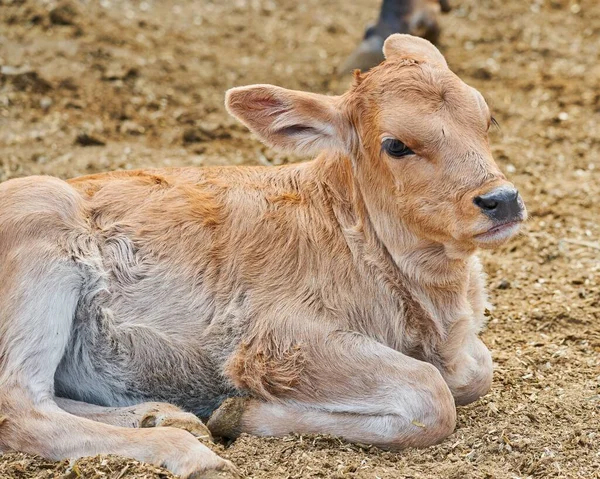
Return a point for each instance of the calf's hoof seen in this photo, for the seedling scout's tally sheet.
(183, 455)
(178, 419)
(228, 472)
(226, 421)
(215, 475)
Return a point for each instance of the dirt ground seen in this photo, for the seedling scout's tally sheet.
(98, 85)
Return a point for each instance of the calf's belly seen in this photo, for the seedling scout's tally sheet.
(116, 364)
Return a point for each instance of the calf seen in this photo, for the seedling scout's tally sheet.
(339, 296)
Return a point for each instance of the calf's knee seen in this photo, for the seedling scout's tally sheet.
(433, 416)
(439, 412)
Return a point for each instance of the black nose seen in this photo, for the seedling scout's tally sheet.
(501, 204)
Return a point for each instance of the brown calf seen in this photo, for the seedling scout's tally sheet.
(339, 296)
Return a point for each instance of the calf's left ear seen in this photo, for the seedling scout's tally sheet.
(408, 46)
(288, 120)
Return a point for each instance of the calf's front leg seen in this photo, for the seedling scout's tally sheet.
(347, 385)
(468, 372)
(465, 362)
(144, 415)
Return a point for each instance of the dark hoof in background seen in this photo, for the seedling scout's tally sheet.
(368, 54)
(424, 22)
(421, 22)
(445, 6)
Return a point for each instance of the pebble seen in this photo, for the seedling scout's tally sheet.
(45, 102)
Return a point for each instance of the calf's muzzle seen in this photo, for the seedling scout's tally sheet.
(501, 204)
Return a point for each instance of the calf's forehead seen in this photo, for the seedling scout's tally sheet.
(417, 102)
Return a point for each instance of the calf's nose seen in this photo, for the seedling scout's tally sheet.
(501, 204)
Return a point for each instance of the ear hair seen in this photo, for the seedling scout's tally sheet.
(408, 46)
(357, 77)
(288, 120)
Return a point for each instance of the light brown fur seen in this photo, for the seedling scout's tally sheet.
(341, 295)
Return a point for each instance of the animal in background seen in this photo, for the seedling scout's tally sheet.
(416, 17)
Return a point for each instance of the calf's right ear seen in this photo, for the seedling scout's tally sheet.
(289, 120)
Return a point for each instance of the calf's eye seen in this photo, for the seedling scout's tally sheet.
(395, 148)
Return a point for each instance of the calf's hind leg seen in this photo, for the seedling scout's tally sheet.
(40, 286)
(349, 386)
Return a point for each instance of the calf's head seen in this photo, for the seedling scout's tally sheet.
(417, 137)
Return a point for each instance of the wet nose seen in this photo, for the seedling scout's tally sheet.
(501, 204)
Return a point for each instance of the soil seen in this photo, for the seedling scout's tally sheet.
(98, 85)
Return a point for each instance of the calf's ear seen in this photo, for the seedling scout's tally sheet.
(288, 120)
(408, 46)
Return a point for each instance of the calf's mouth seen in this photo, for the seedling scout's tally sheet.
(500, 232)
